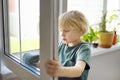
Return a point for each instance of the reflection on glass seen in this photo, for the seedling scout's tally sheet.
(23, 28)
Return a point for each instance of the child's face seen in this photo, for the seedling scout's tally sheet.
(70, 36)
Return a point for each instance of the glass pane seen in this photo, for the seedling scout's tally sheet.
(91, 8)
(113, 12)
(13, 15)
(24, 29)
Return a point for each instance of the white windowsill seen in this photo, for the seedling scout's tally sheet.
(98, 51)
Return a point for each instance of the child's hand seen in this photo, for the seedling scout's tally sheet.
(53, 67)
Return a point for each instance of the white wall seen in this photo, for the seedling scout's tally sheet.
(105, 66)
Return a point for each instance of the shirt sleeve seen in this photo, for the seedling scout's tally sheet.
(84, 54)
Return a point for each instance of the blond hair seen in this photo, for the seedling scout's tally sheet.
(74, 20)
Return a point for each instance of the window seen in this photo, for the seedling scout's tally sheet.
(23, 28)
(114, 9)
(91, 9)
(94, 9)
(22, 35)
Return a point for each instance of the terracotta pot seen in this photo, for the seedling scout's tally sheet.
(105, 39)
(115, 38)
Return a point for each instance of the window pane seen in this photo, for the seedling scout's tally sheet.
(114, 10)
(91, 9)
(23, 28)
(13, 15)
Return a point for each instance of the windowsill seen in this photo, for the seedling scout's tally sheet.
(7, 73)
(99, 51)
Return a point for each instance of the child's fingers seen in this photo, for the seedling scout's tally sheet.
(50, 65)
(52, 62)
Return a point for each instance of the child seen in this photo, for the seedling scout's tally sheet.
(74, 55)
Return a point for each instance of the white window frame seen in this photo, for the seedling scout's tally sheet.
(14, 66)
(49, 11)
(48, 27)
(1, 35)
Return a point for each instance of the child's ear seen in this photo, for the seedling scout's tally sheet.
(81, 33)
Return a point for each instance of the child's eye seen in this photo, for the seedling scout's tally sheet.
(66, 30)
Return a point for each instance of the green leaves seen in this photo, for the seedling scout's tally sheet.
(90, 36)
(113, 17)
(102, 25)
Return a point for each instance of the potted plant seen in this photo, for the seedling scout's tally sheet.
(113, 20)
(105, 37)
(91, 37)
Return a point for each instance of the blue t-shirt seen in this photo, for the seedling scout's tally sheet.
(69, 55)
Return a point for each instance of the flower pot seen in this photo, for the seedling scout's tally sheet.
(95, 45)
(105, 39)
(115, 38)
